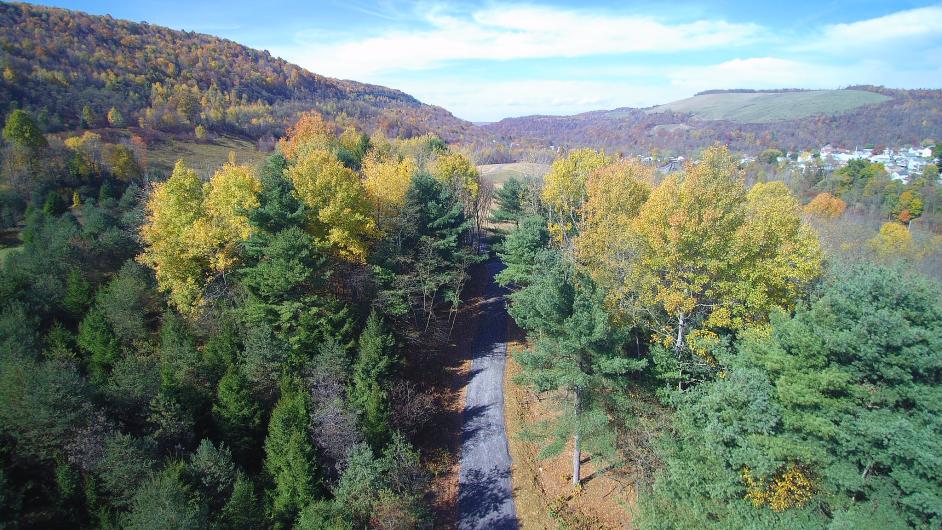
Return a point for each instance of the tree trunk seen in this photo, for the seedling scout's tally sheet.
(576, 461)
(679, 348)
(576, 450)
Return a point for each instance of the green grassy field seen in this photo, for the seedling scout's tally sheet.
(771, 107)
(202, 157)
(499, 173)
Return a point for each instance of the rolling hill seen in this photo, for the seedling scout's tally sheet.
(765, 107)
(70, 69)
(747, 120)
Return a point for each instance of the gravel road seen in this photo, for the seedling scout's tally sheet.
(484, 498)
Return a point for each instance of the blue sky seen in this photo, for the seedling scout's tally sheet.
(488, 60)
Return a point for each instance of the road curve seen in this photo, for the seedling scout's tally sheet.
(484, 494)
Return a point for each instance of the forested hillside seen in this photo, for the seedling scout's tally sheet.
(75, 70)
(907, 118)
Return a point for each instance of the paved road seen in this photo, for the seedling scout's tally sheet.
(484, 498)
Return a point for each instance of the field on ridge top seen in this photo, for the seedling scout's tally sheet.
(765, 107)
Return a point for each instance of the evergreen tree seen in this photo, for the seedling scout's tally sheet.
(510, 198)
(290, 457)
(236, 413)
(164, 503)
(97, 339)
(827, 419)
(278, 206)
(242, 511)
(577, 355)
(372, 371)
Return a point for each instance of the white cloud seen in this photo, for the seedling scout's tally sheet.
(488, 100)
(514, 32)
(906, 28)
(759, 72)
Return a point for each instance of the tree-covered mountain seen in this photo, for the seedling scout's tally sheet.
(746, 121)
(71, 69)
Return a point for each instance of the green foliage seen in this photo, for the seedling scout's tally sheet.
(522, 250)
(392, 485)
(164, 502)
(243, 510)
(846, 390)
(372, 373)
(126, 465)
(510, 199)
(577, 354)
(290, 457)
(42, 405)
(213, 474)
(236, 412)
(21, 130)
(98, 340)
(78, 294)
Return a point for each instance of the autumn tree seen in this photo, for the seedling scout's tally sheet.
(893, 242)
(311, 130)
(564, 191)
(826, 206)
(457, 172)
(339, 212)
(387, 180)
(908, 207)
(21, 130)
(703, 256)
(192, 232)
(615, 195)
(115, 118)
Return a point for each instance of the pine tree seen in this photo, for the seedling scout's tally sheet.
(509, 202)
(96, 338)
(577, 355)
(236, 412)
(290, 457)
(371, 373)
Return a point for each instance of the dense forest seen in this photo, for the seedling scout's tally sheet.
(71, 69)
(910, 117)
(230, 353)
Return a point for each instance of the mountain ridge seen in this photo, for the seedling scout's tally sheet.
(57, 61)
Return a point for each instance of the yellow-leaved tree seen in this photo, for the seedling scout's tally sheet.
(614, 197)
(192, 231)
(704, 255)
(893, 242)
(456, 170)
(564, 191)
(387, 179)
(311, 131)
(826, 206)
(339, 211)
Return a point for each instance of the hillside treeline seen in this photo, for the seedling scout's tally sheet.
(909, 118)
(73, 70)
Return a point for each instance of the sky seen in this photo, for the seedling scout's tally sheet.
(484, 61)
